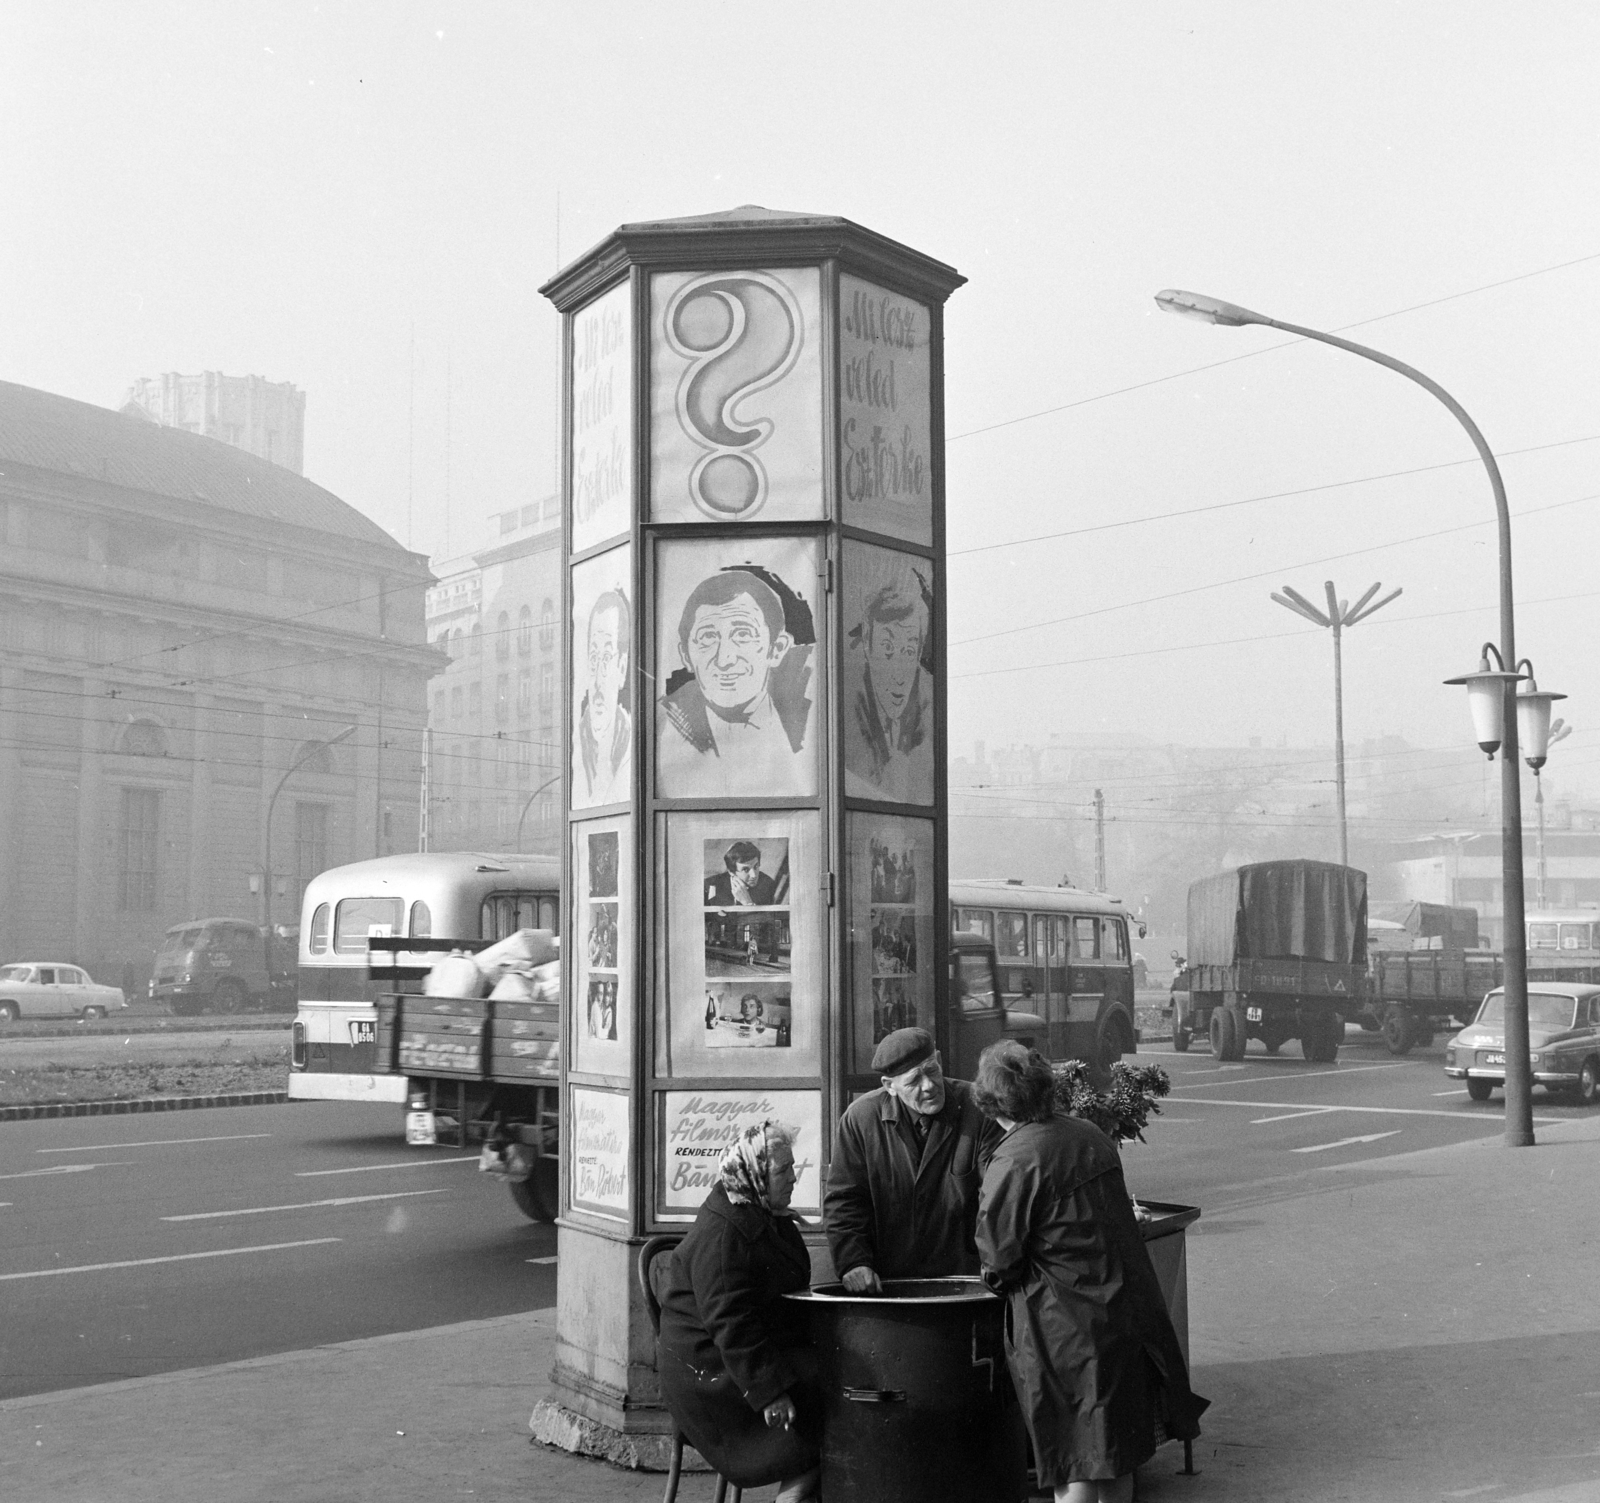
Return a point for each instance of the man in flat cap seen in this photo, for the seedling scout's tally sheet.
(902, 1196)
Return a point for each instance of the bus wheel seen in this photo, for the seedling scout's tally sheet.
(538, 1196)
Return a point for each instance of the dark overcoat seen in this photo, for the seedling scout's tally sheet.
(730, 1344)
(901, 1215)
(1092, 1349)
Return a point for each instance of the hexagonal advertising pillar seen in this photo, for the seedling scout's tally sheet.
(755, 859)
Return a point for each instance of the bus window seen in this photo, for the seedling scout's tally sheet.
(1543, 937)
(1113, 939)
(421, 921)
(974, 984)
(355, 920)
(319, 930)
(1574, 936)
(1042, 943)
(1061, 931)
(978, 921)
(1086, 934)
(549, 914)
(1011, 936)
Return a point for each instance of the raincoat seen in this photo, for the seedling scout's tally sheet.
(1092, 1349)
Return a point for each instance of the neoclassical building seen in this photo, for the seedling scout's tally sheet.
(181, 624)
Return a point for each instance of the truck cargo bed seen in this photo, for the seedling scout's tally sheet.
(469, 1038)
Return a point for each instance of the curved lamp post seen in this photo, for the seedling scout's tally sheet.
(1339, 616)
(266, 891)
(529, 804)
(1484, 687)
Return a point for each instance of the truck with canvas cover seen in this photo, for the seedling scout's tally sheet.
(1425, 971)
(1277, 951)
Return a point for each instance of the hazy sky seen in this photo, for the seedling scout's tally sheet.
(301, 191)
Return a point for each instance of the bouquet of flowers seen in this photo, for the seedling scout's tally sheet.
(1123, 1109)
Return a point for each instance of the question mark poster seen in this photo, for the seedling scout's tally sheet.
(602, 413)
(736, 667)
(885, 410)
(736, 396)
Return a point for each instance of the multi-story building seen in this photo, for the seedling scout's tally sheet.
(265, 418)
(181, 626)
(495, 712)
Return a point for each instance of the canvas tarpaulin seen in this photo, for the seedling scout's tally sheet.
(1279, 910)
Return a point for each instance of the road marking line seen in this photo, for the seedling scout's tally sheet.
(1382, 1111)
(367, 1168)
(224, 1252)
(1310, 1111)
(1456, 1091)
(1308, 1075)
(1371, 1137)
(538, 1260)
(60, 1169)
(304, 1205)
(232, 1137)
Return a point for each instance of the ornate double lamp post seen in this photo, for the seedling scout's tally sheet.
(1496, 706)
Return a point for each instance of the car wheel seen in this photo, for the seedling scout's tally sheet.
(1479, 1089)
(1588, 1087)
(91, 1013)
(1399, 1033)
(538, 1196)
(1181, 1038)
(228, 997)
(8, 1012)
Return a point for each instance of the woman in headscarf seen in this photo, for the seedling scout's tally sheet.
(1092, 1349)
(734, 1367)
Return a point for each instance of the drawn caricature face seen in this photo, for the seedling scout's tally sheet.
(895, 656)
(608, 667)
(732, 653)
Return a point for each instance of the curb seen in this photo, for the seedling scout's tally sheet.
(138, 1104)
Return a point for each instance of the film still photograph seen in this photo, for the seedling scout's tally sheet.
(747, 1015)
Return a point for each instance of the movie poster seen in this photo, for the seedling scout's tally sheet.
(745, 973)
(697, 1126)
(736, 396)
(737, 664)
(891, 936)
(601, 937)
(602, 419)
(599, 1151)
(602, 681)
(888, 675)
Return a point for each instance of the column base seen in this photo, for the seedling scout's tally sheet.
(555, 1425)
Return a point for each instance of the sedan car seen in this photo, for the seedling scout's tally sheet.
(1563, 1042)
(45, 990)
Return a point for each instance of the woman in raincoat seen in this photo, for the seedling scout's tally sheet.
(1092, 1350)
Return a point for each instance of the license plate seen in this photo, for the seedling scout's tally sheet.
(1494, 1059)
(421, 1129)
(363, 1033)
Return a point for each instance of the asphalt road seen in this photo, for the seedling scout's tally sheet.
(226, 1241)
(1272, 1126)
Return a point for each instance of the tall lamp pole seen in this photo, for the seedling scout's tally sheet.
(548, 782)
(1339, 615)
(266, 892)
(1490, 693)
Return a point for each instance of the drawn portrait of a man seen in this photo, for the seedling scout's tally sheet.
(743, 884)
(605, 725)
(889, 713)
(736, 715)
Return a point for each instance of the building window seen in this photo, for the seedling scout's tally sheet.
(502, 637)
(502, 763)
(524, 763)
(525, 631)
(547, 812)
(547, 688)
(475, 700)
(547, 626)
(455, 643)
(438, 706)
(310, 845)
(525, 694)
(475, 640)
(138, 845)
(502, 698)
(144, 738)
(456, 701)
(314, 757)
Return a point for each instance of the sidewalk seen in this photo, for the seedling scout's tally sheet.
(1421, 1327)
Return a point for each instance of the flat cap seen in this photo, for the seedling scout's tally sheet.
(901, 1050)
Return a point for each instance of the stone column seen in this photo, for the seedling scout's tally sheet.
(754, 567)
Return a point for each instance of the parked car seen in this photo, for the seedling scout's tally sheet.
(215, 963)
(52, 990)
(1563, 1042)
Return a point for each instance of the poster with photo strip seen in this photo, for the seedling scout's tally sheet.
(891, 935)
(602, 937)
(744, 973)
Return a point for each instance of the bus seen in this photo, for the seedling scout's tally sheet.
(466, 896)
(1063, 955)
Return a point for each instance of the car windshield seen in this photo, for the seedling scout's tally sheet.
(15, 972)
(1545, 1009)
(180, 939)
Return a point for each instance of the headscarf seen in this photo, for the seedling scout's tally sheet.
(742, 1171)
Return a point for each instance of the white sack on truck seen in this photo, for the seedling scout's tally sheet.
(526, 954)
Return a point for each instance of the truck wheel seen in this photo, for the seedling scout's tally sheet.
(1399, 1032)
(1227, 1042)
(538, 1196)
(1181, 1038)
(228, 997)
(1321, 1039)
(1479, 1090)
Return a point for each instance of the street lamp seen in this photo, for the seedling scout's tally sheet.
(266, 891)
(527, 806)
(1339, 615)
(1519, 1081)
